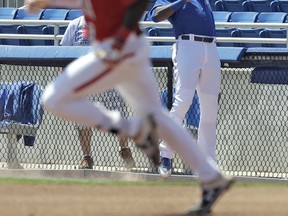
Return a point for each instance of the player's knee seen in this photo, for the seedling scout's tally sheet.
(49, 99)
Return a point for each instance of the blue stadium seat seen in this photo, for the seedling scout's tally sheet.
(73, 14)
(243, 17)
(8, 13)
(54, 14)
(261, 5)
(144, 16)
(227, 32)
(271, 17)
(233, 6)
(277, 33)
(221, 16)
(22, 14)
(12, 29)
(282, 5)
(150, 4)
(39, 29)
(212, 4)
(253, 33)
(161, 32)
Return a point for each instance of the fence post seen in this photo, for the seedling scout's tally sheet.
(56, 32)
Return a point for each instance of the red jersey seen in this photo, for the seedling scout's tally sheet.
(106, 16)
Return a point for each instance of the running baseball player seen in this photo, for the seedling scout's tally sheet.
(76, 34)
(196, 66)
(120, 59)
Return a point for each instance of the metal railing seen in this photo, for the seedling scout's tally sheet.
(57, 37)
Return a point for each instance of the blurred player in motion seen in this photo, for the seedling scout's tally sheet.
(76, 34)
(120, 59)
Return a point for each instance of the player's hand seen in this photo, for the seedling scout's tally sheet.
(114, 54)
(33, 6)
(109, 56)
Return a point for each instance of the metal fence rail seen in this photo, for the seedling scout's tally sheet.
(57, 37)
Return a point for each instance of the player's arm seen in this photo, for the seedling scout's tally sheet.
(161, 13)
(130, 22)
(35, 5)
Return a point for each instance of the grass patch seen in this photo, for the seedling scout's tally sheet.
(33, 181)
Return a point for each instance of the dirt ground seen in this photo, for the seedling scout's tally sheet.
(135, 200)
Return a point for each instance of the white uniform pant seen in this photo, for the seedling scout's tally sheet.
(66, 97)
(196, 66)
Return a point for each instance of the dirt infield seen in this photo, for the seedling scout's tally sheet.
(135, 200)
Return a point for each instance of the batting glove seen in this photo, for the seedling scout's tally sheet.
(114, 54)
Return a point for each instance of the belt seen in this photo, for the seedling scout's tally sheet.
(197, 38)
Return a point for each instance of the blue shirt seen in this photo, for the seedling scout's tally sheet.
(194, 17)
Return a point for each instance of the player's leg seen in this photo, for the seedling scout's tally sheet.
(85, 138)
(186, 73)
(208, 90)
(66, 97)
(142, 96)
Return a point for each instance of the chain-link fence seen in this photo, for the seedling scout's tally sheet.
(251, 130)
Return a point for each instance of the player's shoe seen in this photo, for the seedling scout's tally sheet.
(165, 167)
(211, 192)
(147, 140)
(87, 163)
(126, 155)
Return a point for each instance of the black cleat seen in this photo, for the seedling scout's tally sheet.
(211, 192)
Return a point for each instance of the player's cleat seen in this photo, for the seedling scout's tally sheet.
(87, 163)
(165, 167)
(147, 140)
(211, 192)
(126, 155)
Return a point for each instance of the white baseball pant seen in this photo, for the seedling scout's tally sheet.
(196, 66)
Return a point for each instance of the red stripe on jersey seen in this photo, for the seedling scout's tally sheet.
(102, 74)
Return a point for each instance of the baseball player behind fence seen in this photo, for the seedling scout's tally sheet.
(196, 66)
(76, 34)
(120, 59)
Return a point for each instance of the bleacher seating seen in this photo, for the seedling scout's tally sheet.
(253, 33)
(12, 29)
(243, 17)
(232, 5)
(38, 29)
(277, 33)
(54, 14)
(22, 14)
(261, 5)
(271, 17)
(7, 13)
(227, 32)
(161, 32)
(281, 5)
(73, 14)
(221, 16)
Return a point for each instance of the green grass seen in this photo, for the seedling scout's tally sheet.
(31, 181)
